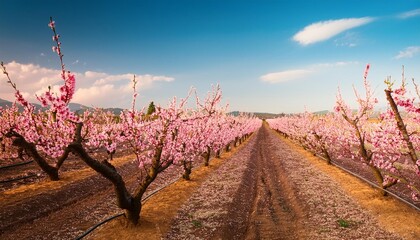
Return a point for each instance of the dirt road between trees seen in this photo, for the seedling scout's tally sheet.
(276, 211)
(272, 190)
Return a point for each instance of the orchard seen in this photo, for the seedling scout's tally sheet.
(257, 177)
(170, 135)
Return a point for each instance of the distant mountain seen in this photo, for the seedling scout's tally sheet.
(116, 111)
(78, 108)
(263, 115)
(260, 115)
(6, 104)
(74, 107)
(325, 112)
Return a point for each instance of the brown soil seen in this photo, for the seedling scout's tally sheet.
(276, 210)
(56, 207)
(65, 209)
(268, 188)
(158, 212)
(32, 173)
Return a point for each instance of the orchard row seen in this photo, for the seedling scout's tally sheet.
(159, 138)
(387, 143)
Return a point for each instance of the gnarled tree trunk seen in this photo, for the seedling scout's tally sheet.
(131, 203)
(367, 157)
(402, 128)
(31, 151)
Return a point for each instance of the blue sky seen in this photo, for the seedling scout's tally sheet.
(268, 56)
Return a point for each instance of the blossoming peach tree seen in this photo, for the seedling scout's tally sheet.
(44, 135)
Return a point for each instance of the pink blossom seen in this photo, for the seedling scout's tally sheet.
(366, 71)
(51, 24)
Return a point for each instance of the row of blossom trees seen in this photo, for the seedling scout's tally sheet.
(388, 145)
(172, 135)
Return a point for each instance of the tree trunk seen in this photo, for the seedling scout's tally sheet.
(133, 212)
(157, 166)
(124, 198)
(402, 128)
(207, 157)
(367, 156)
(227, 149)
(379, 178)
(62, 158)
(31, 151)
(187, 170)
(323, 148)
(327, 156)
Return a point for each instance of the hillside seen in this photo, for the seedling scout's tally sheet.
(7, 104)
(260, 115)
(74, 107)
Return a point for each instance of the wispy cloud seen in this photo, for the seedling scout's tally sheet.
(284, 76)
(321, 31)
(409, 14)
(97, 89)
(350, 39)
(336, 64)
(409, 52)
(295, 74)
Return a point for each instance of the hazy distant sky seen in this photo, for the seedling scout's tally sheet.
(268, 56)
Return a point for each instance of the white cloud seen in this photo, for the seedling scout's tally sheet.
(147, 80)
(97, 89)
(336, 64)
(409, 52)
(142, 80)
(409, 14)
(285, 76)
(324, 30)
(294, 74)
(29, 78)
(107, 95)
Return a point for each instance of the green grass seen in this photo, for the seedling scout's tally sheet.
(196, 223)
(343, 223)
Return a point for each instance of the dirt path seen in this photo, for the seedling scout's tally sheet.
(296, 199)
(249, 197)
(275, 210)
(270, 190)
